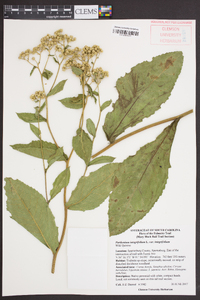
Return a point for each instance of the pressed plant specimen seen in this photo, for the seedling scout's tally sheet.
(134, 185)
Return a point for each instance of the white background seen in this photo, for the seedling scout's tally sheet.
(25, 259)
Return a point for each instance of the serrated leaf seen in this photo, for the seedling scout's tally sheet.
(105, 104)
(35, 130)
(101, 160)
(60, 182)
(77, 71)
(31, 118)
(140, 181)
(34, 149)
(55, 157)
(82, 145)
(30, 210)
(58, 88)
(91, 127)
(92, 190)
(142, 91)
(73, 102)
(47, 74)
(34, 67)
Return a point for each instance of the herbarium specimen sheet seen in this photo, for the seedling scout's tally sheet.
(99, 157)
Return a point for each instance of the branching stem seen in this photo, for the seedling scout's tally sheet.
(65, 190)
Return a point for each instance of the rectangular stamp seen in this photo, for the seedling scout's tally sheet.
(170, 33)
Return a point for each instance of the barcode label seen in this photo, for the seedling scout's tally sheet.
(126, 31)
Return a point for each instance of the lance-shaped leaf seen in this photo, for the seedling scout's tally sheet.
(31, 118)
(42, 107)
(91, 127)
(101, 160)
(73, 102)
(55, 60)
(82, 145)
(58, 88)
(105, 104)
(139, 182)
(30, 210)
(142, 91)
(35, 130)
(60, 182)
(91, 191)
(34, 149)
(34, 67)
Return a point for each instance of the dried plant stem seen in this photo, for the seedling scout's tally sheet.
(47, 109)
(47, 61)
(84, 103)
(99, 118)
(56, 75)
(45, 174)
(48, 125)
(140, 130)
(65, 211)
(99, 111)
(63, 231)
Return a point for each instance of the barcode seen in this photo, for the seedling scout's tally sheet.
(126, 31)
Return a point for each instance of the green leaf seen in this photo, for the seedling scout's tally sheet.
(58, 155)
(30, 210)
(34, 149)
(91, 191)
(95, 99)
(101, 160)
(140, 181)
(60, 182)
(105, 104)
(73, 102)
(58, 88)
(55, 60)
(142, 91)
(77, 71)
(36, 112)
(82, 145)
(34, 67)
(92, 93)
(66, 47)
(91, 127)
(31, 118)
(35, 130)
(42, 107)
(47, 74)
